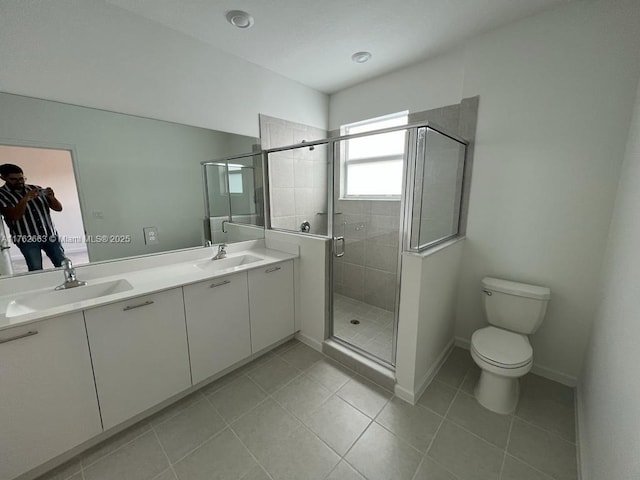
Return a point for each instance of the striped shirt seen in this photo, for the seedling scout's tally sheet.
(36, 221)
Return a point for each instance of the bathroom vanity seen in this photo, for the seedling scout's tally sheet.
(74, 365)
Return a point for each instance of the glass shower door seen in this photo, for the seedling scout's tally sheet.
(366, 243)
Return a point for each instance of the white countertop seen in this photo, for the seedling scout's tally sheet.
(143, 282)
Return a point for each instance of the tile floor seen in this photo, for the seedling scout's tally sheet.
(295, 414)
(373, 334)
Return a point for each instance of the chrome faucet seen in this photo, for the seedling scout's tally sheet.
(222, 252)
(70, 280)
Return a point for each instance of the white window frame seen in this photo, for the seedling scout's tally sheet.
(344, 154)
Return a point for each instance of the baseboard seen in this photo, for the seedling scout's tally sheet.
(404, 394)
(430, 375)
(413, 396)
(311, 342)
(556, 376)
(579, 419)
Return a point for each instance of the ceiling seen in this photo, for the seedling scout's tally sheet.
(311, 41)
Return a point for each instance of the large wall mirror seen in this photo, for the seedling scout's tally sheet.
(117, 176)
(234, 198)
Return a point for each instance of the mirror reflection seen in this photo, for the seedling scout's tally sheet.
(128, 185)
(234, 198)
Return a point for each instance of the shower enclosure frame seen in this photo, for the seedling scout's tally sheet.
(224, 162)
(416, 145)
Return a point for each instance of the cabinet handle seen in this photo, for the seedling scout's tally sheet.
(214, 285)
(17, 337)
(270, 270)
(148, 302)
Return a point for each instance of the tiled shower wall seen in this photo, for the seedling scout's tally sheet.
(367, 271)
(298, 178)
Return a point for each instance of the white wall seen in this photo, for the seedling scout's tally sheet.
(427, 316)
(554, 110)
(609, 412)
(67, 51)
(310, 280)
(423, 86)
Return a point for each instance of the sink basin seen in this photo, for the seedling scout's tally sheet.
(225, 263)
(57, 298)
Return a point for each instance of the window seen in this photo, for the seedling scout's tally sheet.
(234, 176)
(372, 165)
(235, 179)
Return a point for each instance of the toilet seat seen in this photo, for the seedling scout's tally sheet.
(501, 348)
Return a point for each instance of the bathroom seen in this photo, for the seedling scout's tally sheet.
(552, 197)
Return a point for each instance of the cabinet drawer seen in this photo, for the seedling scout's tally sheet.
(140, 354)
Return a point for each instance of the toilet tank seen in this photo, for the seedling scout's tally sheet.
(514, 306)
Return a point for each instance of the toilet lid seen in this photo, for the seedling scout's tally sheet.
(501, 347)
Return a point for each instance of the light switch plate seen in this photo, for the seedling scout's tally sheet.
(151, 235)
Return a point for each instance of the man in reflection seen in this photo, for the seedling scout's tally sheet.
(26, 210)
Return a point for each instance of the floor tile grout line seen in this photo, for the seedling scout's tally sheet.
(356, 407)
(443, 418)
(299, 373)
(375, 420)
(164, 452)
(551, 432)
(208, 439)
(514, 414)
(506, 447)
(372, 421)
(445, 468)
(178, 410)
(513, 418)
(219, 432)
(108, 454)
(343, 458)
(306, 427)
(537, 470)
(335, 393)
(255, 459)
(267, 397)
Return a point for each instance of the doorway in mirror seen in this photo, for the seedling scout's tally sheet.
(50, 168)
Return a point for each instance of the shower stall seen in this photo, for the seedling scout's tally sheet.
(234, 199)
(376, 195)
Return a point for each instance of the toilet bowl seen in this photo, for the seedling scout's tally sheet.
(504, 357)
(502, 350)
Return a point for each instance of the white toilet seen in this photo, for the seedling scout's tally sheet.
(502, 350)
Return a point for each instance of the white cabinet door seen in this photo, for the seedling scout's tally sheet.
(140, 354)
(271, 304)
(48, 399)
(217, 324)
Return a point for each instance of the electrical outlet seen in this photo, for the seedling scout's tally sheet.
(151, 235)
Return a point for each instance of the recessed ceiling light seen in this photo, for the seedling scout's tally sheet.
(361, 57)
(239, 19)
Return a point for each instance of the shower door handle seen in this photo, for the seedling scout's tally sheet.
(335, 246)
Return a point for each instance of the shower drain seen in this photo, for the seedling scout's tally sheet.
(354, 322)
